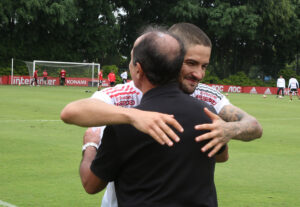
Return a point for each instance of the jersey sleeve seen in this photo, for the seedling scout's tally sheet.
(223, 102)
(102, 97)
(211, 96)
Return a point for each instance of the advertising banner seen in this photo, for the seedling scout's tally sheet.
(26, 80)
(227, 88)
(54, 81)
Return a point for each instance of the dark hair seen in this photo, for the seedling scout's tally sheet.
(190, 35)
(161, 61)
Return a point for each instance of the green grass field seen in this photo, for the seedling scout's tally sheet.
(40, 155)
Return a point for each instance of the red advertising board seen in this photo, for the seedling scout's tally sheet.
(54, 81)
(84, 82)
(26, 80)
(248, 89)
(227, 88)
(3, 80)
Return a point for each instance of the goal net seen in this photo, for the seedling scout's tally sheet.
(19, 70)
(74, 71)
(77, 74)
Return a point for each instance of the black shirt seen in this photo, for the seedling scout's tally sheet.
(149, 174)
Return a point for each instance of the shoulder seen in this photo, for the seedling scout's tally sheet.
(211, 96)
(196, 101)
(206, 88)
(203, 90)
(126, 95)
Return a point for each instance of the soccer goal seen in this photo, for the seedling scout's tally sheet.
(20, 70)
(76, 73)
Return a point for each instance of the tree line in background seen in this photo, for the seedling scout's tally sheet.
(251, 39)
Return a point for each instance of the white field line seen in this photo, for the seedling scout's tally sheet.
(2, 203)
(30, 120)
(279, 119)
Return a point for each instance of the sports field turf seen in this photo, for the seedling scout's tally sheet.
(40, 155)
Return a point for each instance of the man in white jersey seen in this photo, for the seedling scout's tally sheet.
(124, 77)
(280, 85)
(293, 86)
(233, 124)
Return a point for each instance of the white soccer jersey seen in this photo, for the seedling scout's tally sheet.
(124, 75)
(280, 83)
(211, 96)
(293, 83)
(127, 95)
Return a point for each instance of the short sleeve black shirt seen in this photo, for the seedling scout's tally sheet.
(149, 174)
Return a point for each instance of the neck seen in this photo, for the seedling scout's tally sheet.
(146, 86)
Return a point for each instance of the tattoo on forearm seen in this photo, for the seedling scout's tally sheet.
(240, 125)
(231, 114)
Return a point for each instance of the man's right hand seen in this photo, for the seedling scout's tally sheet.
(92, 135)
(157, 125)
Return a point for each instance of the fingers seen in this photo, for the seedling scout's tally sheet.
(215, 145)
(215, 150)
(174, 123)
(166, 132)
(92, 135)
(159, 135)
(156, 137)
(159, 126)
(204, 127)
(162, 132)
(206, 136)
(210, 114)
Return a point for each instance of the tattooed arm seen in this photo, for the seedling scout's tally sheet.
(242, 126)
(232, 123)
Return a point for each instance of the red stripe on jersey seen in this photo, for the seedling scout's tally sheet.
(121, 90)
(124, 93)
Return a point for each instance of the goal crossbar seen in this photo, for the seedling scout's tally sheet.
(68, 63)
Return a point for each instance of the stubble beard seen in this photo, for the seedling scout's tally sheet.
(187, 88)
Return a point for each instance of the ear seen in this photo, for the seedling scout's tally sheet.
(139, 71)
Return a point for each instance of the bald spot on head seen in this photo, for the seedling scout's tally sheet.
(160, 55)
(165, 43)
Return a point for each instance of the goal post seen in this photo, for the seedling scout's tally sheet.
(77, 73)
(73, 69)
(19, 70)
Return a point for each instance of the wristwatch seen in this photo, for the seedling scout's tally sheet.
(89, 144)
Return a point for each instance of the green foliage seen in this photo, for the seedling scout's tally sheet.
(288, 73)
(244, 33)
(5, 71)
(240, 79)
(108, 68)
(211, 78)
(65, 30)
